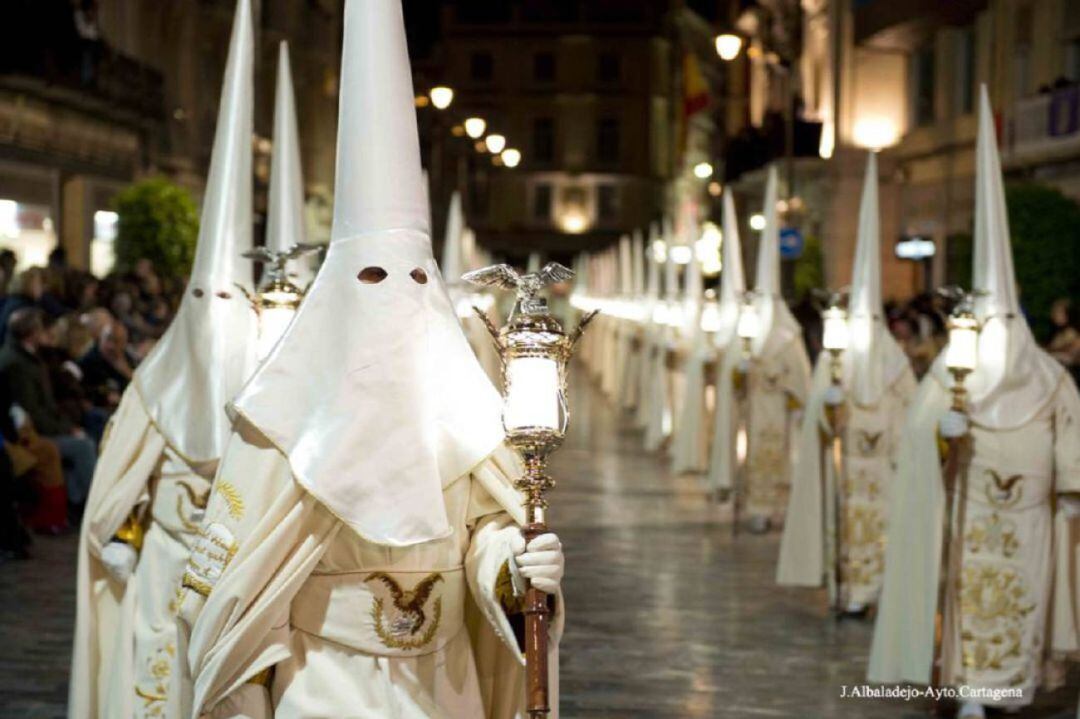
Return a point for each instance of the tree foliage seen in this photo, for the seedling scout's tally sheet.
(1045, 228)
(158, 221)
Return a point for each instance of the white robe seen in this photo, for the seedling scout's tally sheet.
(293, 589)
(1016, 589)
(869, 454)
(777, 383)
(125, 637)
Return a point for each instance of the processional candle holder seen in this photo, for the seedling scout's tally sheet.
(277, 298)
(747, 328)
(534, 352)
(835, 338)
(961, 359)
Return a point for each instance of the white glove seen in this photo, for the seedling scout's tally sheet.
(953, 424)
(744, 365)
(119, 559)
(1070, 506)
(834, 395)
(541, 562)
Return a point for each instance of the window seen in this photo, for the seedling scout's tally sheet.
(607, 140)
(922, 86)
(607, 202)
(965, 71)
(544, 67)
(481, 66)
(542, 201)
(608, 68)
(543, 144)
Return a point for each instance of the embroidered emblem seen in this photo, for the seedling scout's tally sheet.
(994, 603)
(868, 442)
(399, 630)
(213, 551)
(1003, 493)
(233, 500)
(159, 667)
(993, 534)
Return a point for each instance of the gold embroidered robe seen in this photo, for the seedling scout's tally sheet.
(1014, 601)
(125, 636)
(349, 627)
(870, 443)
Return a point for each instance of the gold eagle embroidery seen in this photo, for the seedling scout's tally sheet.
(868, 442)
(411, 615)
(1003, 492)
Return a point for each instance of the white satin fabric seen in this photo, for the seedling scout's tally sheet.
(384, 367)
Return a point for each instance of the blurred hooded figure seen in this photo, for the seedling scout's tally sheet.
(164, 441)
(1012, 601)
(777, 377)
(359, 550)
(876, 386)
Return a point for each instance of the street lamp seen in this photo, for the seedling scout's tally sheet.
(757, 222)
(703, 170)
(511, 157)
(534, 351)
(495, 143)
(474, 127)
(728, 46)
(441, 97)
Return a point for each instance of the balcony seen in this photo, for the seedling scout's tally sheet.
(45, 57)
(1044, 128)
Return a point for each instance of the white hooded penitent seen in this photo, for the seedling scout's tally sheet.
(209, 349)
(873, 358)
(1013, 378)
(374, 394)
(732, 280)
(777, 325)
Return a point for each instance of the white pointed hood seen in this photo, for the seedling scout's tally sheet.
(374, 394)
(652, 267)
(285, 216)
(874, 360)
(209, 349)
(732, 278)
(778, 326)
(638, 257)
(1014, 378)
(452, 265)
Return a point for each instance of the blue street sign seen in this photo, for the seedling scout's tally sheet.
(791, 243)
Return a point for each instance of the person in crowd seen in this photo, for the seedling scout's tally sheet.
(8, 262)
(14, 539)
(27, 380)
(107, 368)
(1064, 344)
(26, 290)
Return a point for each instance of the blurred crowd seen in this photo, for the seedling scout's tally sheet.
(70, 345)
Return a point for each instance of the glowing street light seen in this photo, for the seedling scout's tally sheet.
(703, 170)
(511, 157)
(728, 46)
(441, 97)
(757, 222)
(495, 143)
(474, 127)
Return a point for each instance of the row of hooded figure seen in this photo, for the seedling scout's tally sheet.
(850, 456)
(328, 527)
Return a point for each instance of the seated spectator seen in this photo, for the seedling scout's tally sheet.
(107, 367)
(14, 541)
(27, 381)
(1064, 342)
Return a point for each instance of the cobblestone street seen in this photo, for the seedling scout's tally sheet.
(669, 616)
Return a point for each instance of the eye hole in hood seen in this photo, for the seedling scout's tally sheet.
(371, 275)
(419, 276)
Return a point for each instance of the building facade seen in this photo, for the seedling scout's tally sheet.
(94, 95)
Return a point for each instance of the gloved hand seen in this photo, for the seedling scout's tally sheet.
(953, 424)
(834, 395)
(119, 559)
(541, 562)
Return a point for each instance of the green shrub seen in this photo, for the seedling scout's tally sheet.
(159, 221)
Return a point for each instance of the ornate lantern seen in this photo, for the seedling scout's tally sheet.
(534, 351)
(277, 299)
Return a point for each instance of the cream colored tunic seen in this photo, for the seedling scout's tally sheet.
(351, 628)
(776, 390)
(869, 448)
(1013, 601)
(178, 495)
